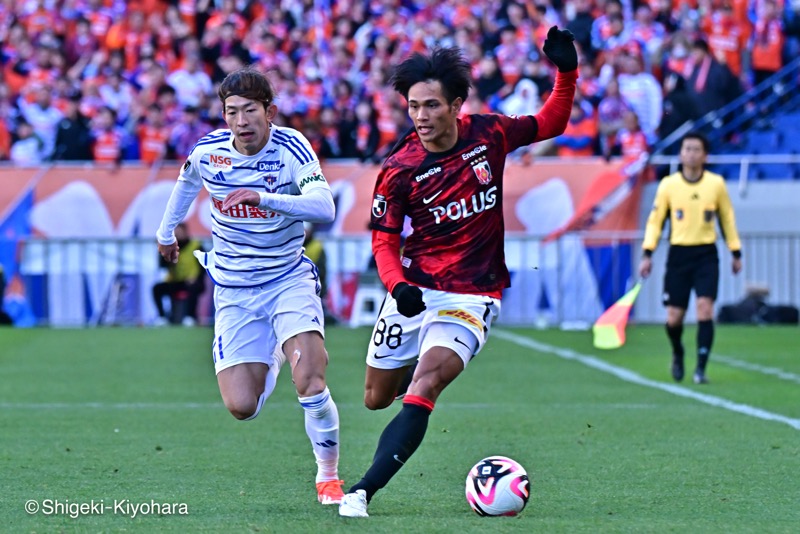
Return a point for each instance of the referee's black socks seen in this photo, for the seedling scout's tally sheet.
(705, 338)
(675, 333)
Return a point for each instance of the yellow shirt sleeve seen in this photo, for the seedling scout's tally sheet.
(657, 217)
(727, 220)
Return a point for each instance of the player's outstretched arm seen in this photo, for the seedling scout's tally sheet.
(553, 117)
(183, 194)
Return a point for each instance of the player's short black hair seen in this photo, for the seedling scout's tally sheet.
(700, 137)
(248, 83)
(445, 65)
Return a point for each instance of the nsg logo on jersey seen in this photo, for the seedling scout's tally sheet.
(220, 162)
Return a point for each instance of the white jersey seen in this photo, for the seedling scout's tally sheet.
(253, 246)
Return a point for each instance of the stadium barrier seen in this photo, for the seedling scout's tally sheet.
(108, 281)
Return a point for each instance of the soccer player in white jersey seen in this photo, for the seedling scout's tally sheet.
(264, 182)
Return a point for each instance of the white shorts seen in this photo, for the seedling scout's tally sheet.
(250, 324)
(460, 322)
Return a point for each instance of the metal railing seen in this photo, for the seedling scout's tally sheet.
(92, 282)
(775, 93)
(744, 162)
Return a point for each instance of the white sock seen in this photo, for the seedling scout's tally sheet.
(322, 427)
(269, 387)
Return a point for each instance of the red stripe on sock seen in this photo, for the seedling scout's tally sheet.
(419, 401)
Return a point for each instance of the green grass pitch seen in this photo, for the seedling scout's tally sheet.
(610, 442)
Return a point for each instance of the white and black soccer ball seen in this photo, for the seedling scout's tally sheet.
(498, 486)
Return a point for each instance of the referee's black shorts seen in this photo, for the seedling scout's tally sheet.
(690, 267)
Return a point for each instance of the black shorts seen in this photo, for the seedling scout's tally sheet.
(691, 268)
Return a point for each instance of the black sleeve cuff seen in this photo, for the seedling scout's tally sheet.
(737, 254)
(647, 253)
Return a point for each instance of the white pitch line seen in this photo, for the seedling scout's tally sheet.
(741, 364)
(634, 378)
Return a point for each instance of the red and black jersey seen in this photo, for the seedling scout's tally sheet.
(455, 202)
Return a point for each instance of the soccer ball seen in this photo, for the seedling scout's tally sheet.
(497, 486)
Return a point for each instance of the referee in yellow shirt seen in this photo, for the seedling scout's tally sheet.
(693, 199)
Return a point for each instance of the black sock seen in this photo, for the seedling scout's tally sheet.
(705, 338)
(401, 437)
(674, 334)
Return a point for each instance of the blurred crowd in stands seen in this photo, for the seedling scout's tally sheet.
(110, 80)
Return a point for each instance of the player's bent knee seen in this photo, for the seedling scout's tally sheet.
(242, 413)
(377, 402)
(244, 409)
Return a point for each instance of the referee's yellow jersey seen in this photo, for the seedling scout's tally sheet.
(693, 208)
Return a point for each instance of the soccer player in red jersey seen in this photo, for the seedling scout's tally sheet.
(446, 175)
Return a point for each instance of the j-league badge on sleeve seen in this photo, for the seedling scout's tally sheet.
(379, 206)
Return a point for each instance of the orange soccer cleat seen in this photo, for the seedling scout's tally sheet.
(330, 492)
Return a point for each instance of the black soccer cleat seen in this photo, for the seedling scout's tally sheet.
(677, 368)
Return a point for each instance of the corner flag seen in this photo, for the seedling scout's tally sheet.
(609, 330)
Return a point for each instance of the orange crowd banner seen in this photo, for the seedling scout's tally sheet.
(88, 201)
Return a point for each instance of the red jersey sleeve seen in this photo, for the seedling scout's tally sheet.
(517, 131)
(389, 200)
(549, 122)
(386, 220)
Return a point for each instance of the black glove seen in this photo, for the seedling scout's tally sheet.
(409, 299)
(559, 49)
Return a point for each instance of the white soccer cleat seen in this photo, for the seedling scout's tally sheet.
(354, 504)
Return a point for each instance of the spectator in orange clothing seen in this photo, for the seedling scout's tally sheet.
(108, 138)
(631, 139)
(42, 18)
(227, 13)
(366, 134)
(100, 19)
(5, 139)
(80, 42)
(727, 38)
(153, 135)
(767, 43)
(579, 137)
(610, 114)
(130, 35)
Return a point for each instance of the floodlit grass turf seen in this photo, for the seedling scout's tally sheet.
(135, 414)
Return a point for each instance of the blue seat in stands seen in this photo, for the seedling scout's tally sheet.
(774, 171)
